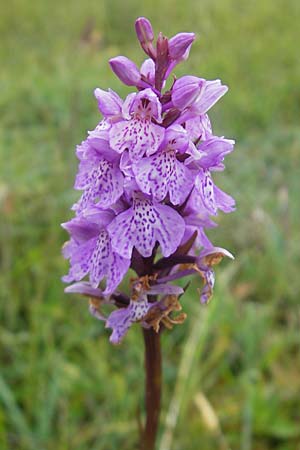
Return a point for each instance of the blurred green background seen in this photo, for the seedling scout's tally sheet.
(232, 371)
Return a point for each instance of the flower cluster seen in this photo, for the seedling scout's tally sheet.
(145, 173)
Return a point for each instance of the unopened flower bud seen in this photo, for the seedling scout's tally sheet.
(109, 103)
(145, 35)
(126, 70)
(144, 31)
(187, 90)
(179, 46)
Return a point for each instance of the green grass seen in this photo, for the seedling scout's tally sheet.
(62, 385)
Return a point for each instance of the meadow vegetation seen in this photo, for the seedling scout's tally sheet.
(231, 371)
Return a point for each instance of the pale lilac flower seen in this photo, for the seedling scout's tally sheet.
(137, 133)
(127, 71)
(163, 173)
(187, 90)
(210, 153)
(109, 103)
(142, 225)
(145, 172)
(201, 96)
(90, 251)
(99, 176)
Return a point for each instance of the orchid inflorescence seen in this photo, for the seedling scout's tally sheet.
(148, 192)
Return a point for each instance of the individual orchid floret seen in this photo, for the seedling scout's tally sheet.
(127, 71)
(90, 251)
(213, 198)
(179, 49)
(148, 71)
(138, 134)
(179, 46)
(109, 103)
(143, 224)
(85, 288)
(163, 173)
(145, 35)
(199, 128)
(99, 176)
(95, 295)
(199, 100)
(210, 153)
(187, 90)
(159, 314)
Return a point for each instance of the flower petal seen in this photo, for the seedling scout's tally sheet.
(223, 200)
(105, 263)
(199, 127)
(139, 136)
(121, 320)
(103, 184)
(205, 186)
(212, 92)
(109, 103)
(144, 224)
(162, 174)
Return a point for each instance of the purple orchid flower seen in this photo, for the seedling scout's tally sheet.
(148, 195)
(163, 173)
(99, 176)
(90, 251)
(144, 224)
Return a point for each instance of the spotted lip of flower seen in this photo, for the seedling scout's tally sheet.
(143, 224)
(137, 133)
(90, 251)
(163, 173)
(99, 175)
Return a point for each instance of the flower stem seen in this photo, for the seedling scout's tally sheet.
(153, 388)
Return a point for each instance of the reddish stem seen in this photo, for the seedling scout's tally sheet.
(153, 388)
